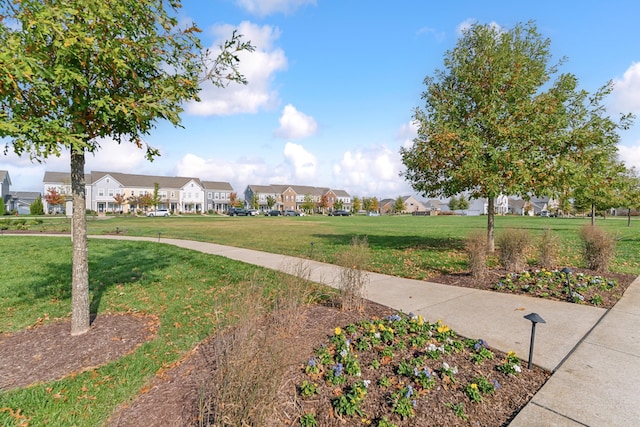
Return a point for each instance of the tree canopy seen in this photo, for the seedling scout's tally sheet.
(73, 72)
(500, 119)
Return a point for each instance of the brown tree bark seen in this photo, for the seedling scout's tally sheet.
(80, 274)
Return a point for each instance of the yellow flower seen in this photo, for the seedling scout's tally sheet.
(381, 327)
(443, 329)
(474, 386)
(390, 330)
(337, 331)
(420, 320)
(511, 353)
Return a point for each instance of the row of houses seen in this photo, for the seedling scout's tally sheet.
(120, 192)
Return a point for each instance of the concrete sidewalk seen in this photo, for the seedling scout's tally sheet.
(594, 354)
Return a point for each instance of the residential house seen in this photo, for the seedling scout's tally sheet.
(293, 197)
(5, 184)
(411, 205)
(178, 194)
(20, 201)
(218, 195)
(481, 206)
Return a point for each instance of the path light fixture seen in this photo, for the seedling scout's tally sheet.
(534, 318)
(159, 233)
(568, 272)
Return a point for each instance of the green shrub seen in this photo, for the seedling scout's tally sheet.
(548, 250)
(598, 247)
(513, 244)
(475, 247)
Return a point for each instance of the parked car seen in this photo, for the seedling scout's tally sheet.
(290, 212)
(340, 212)
(274, 213)
(159, 212)
(253, 212)
(373, 213)
(237, 212)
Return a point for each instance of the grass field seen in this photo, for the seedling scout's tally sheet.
(407, 246)
(193, 295)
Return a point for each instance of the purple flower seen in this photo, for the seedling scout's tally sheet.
(337, 370)
(312, 362)
(496, 384)
(394, 318)
(409, 392)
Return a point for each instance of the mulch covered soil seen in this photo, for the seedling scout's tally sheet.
(48, 352)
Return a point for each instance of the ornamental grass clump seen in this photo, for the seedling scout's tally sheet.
(475, 246)
(249, 362)
(354, 277)
(548, 249)
(598, 247)
(514, 245)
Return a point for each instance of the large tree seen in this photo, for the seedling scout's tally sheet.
(75, 71)
(498, 119)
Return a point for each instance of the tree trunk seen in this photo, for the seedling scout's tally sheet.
(490, 224)
(80, 275)
(629, 217)
(593, 214)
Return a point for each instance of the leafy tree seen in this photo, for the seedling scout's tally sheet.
(375, 204)
(53, 197)
(255, 201)
(324, 203)
(495, 122)
(307, 203)
(155, 200)
(3, 208)
(119, 200)
(76, 71)
(629, 192)
(36, 208)
(367, 204)
(399, 205)
(357, 204)
(339, 204)
(233, 199)
(454, 203)
(271, 201)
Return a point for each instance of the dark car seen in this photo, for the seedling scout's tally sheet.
(238, 212)
(274, 213)
(340, 212)
(290, 212)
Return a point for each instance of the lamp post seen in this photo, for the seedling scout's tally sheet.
(567, 271)
(534, 318)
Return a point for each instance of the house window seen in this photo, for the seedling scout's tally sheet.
(110, 192)
(100, 191)
(209, 196)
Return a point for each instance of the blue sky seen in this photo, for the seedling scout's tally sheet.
(333, 84)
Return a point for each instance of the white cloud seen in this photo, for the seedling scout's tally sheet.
(626, 93)
(258, 67)
(295, 125)
(371, 172)
(630, 155)
(303, 162)
(407, 133)
(267, 7)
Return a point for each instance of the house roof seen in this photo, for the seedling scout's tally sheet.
(5, 175)
(214, 185)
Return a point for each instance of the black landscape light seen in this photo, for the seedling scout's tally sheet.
(568, 272)
(159, 233)
(534, 318)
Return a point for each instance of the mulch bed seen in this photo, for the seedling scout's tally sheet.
(49, 352)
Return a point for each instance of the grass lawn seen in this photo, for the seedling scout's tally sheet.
(193, 295)
(408, 246)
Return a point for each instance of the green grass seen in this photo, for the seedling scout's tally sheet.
(191, 294)
(407, 246)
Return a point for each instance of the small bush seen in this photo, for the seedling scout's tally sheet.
(514, 245)
(354, 277)
(475, 247)
(599, 248)
(548, 250)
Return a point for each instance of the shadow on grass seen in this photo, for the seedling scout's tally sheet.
(396, 242)
(110, 264)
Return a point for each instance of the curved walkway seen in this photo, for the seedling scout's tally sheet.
(594, 353)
